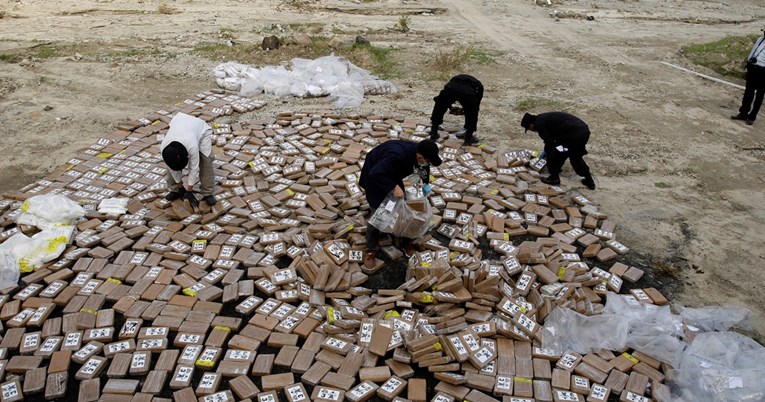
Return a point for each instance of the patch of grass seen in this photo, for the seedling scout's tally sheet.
(447, 61)
(165, 9)
(306, 27)
(227, 33)
(529, 104)
(661, 184)
(10, 58)
(403, 24)
(481, 57)
(385, 66)
(725, 56)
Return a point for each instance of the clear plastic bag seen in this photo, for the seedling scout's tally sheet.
(566, 329)
(401, 218)
(653, 330)
(714, 318)
(720, 366)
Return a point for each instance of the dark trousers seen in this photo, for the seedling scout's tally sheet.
(372, 235)
(555, 160)
(755, 90)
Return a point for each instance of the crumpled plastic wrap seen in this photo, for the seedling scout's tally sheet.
(720, 366)
(714, 318)
(330, 76)
(653, 330)
(566, 329)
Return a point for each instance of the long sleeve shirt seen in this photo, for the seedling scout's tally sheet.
(468, 92)
(758, 51)
(195, 135)
(385, 167)
(560, 128)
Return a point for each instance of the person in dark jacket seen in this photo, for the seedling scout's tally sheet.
(468, 92)
(385, 168)
(565, 137)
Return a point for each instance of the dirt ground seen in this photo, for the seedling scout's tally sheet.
(676, 174)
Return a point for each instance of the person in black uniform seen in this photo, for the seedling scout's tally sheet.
(385, 168)
(565, 137)
(755, 83)
(468, 92)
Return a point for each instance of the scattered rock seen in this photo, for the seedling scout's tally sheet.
(77, 56)
(360, 40)
(339, 43)
(270, 42)
(590, 18)
(48, 108)
(299, 39)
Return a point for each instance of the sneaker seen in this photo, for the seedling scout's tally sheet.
(589, 182)
(739, 117)
(173, 195)
(460, 134)
(370, 260)
(471, 141)
(434, 137)
(210, 200)
(551, 180)
(749, 122)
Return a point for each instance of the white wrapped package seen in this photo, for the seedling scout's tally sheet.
(113, 206)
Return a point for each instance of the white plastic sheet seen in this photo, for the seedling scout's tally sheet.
(330, 75)
(25, 254)
(49, 210)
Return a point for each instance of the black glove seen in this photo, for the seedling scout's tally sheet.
(189, 195)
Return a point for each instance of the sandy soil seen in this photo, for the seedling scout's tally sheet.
(671, 167)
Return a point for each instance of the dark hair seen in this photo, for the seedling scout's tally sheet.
(175, 155)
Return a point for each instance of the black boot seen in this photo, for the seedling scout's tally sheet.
(552, 180)
(472, 140)
(175, 195)
(589, 182)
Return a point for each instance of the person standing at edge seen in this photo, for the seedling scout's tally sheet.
(385, 168)
(188, 144)
(755, 83)
(468, 92)
(565, 137)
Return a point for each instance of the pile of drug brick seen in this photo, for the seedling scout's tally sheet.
(261, 298)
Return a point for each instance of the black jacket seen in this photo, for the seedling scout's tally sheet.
(466, 90)
(559, 128)
(385, 167)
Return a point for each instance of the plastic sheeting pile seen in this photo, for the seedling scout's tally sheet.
(329, 75)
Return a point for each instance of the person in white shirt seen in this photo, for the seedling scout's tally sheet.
(188, 144)
(755, 83)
